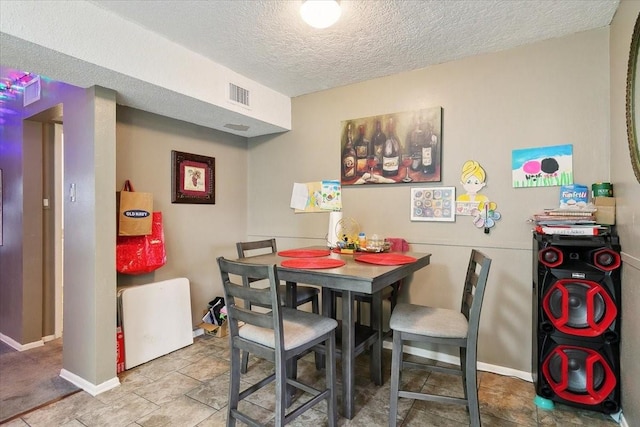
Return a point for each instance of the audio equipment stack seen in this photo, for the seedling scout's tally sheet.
(576, 320)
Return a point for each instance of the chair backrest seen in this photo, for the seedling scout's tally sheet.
(234, 287)
(474, 287)
(258, 247)
(255, 248)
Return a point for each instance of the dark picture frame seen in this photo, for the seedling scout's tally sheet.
(193, 178)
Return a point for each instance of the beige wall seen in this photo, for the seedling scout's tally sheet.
(89, 246)
(549, 93)
(194, 234)
(21, 158)
(627, 192)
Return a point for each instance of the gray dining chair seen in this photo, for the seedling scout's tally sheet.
(304, 294)
(458, 328)
(278, 335)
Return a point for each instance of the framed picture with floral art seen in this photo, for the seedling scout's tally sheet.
(193, 178)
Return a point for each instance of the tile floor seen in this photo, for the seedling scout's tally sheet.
(189, 388)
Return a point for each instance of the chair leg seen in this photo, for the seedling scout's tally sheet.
(281, 391)
(463, 368)
(245, 362)
(471, 389)
(396, 366)
(315, 307)
(328, 310)
(394, 294)
(330, 368)
(234, 386)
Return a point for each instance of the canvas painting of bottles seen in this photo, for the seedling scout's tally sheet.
(395, 148)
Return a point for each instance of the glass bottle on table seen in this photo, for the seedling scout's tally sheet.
(377, 143)
(349, 156)
(362, 151)
(391, 152)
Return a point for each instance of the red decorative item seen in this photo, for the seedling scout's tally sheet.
(305, 253)
(119, 350)
(313, 263)
(142, 254)
(398, 244)
(386, 259)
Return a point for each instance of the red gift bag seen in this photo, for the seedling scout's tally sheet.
(142, 254)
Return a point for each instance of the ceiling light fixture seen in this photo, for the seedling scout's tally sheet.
(320, 13)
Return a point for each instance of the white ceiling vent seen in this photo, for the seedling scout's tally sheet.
(31, 92)
(239, 95)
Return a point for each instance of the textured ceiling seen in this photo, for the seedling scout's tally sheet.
(266, 41)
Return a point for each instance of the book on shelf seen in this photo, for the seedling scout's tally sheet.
(565, 222)
(572, 230)
(589, 211)
(564, 216)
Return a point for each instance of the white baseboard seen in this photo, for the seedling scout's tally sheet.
(20, 347)
(454, 360)
(48, 338)
(90, 388)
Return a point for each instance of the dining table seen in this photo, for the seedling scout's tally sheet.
(349, 273)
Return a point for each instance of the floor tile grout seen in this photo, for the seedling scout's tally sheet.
(164, 398)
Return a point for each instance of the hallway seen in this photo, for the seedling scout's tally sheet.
(31, 378)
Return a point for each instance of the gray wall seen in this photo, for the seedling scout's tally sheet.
(21, 159)
(547, 93)
(627, 192)
(89, 244)
(89, 303)
(194, 234)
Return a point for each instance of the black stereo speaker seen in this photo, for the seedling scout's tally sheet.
(576, 325)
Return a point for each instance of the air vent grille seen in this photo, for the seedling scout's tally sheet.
(238, 94)
(31, 91)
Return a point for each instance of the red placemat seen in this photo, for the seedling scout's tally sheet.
(386, 259)
(312, 263)
(304, 253)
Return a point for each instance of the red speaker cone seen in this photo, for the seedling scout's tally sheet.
(578, 374)
(606, 259)
(579, 307)
(550, 257)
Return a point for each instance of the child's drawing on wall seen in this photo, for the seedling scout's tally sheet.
(542, 166)
(473, 179)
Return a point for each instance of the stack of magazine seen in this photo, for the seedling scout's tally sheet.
(574, 222)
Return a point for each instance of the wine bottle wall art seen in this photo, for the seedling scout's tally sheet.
(394, 148)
